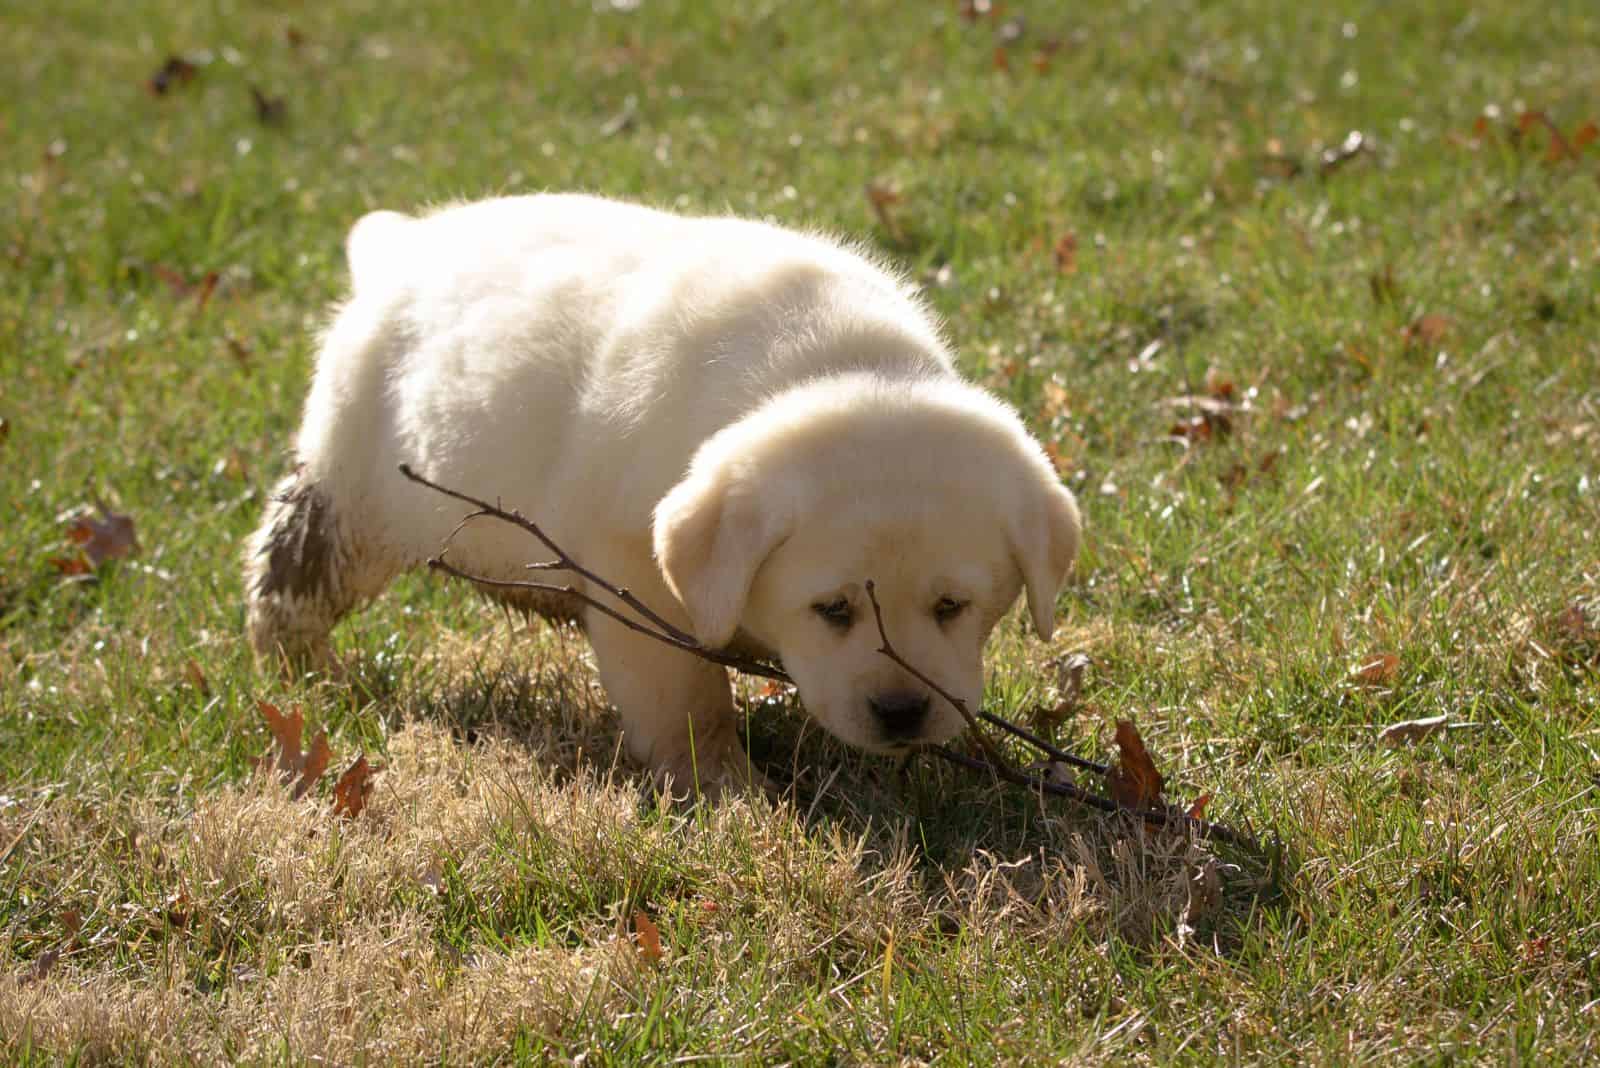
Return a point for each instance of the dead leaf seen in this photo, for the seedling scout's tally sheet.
(1377, 670)
(1584, 136)
(196, 677)
(1066, 253)
(1196, 428)
(41, 967)
(312, 766)
(1426, 330)
(648, 936)
(350, 793)
(177, 908)
(1197, 811)
(103, 539)
(1057, 401)
(883, 197)
(1133, 780)
(1046, 53)
(286, 731)
(1412, 731)
(71, 922)
(270, 110)
(71, 566)
(1219, 386)
(174, 72)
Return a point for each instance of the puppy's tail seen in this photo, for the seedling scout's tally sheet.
(379, 243)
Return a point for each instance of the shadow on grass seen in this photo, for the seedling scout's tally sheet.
(1150, 887)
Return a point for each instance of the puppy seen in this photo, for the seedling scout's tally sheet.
(739, 423)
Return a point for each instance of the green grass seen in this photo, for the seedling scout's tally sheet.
(1434, 495)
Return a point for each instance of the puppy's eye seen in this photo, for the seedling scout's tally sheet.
(836, 612)
(947, 608)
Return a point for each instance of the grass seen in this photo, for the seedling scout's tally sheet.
(1427, 489)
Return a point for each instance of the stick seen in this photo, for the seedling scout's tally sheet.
(563, 562)
(663, 631)
(887, 650)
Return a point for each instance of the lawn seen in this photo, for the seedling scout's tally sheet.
(1302, 297)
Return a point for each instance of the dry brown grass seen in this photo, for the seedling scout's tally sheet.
(252, 926)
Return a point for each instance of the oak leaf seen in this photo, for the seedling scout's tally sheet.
(1133, 780)
(350, 793)
(648, 936)
(107, 538)
(1376, 670)
(1412, 731)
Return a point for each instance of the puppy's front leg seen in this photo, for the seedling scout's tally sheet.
(677, 710)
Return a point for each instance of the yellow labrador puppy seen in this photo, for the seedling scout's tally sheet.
(740, 423)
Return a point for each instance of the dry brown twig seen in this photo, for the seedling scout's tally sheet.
(661, 630)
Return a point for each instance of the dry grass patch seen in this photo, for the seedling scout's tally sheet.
(487, 892)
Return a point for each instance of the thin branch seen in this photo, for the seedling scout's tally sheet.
(516, 518)
(960, 706)
(1054, 752)
(663, 631)
(742, 664)
(1167, 817)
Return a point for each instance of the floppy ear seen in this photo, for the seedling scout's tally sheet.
(711, 534)
(1044, 541)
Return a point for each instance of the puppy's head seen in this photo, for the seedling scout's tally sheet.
(932, 490)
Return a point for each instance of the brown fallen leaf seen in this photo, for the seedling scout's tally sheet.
(196, 677)
(1425, 330)
(1412, 731)
(174, 72)
(883, 197)
(648, 936)
(1584, 136)
(1066, 253)
(1197, 811)
(1133, 780)
(350, 793)
(1376, 670)
(103, 539)
(270, 110)
(42, 965)
(286, 730)
(312, 766)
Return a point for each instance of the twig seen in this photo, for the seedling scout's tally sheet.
(960, 706)
(564, 562)
(1167, 817)
(738, 663)
(663, 631)
(1054, 752)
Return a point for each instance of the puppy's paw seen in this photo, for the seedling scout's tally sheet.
(711, 773)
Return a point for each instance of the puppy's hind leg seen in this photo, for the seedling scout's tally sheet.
(306, 566)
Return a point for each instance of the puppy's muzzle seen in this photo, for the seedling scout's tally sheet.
(899, 716)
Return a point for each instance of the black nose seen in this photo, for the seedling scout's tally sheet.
(899, 715)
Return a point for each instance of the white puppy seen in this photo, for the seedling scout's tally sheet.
(739, 423)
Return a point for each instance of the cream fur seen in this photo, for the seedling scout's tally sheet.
(736, 421)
